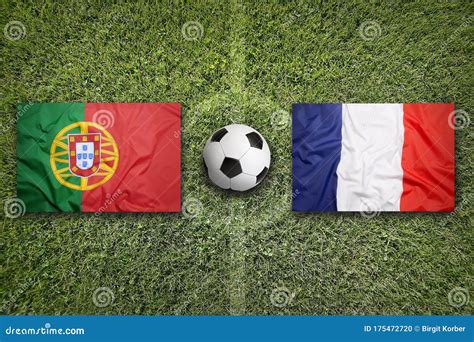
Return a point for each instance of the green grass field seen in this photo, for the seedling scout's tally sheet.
(238, 254)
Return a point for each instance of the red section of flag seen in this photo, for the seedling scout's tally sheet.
(148, 175)
(428, 158)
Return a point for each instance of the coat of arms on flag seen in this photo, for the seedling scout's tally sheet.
(99, 157)
(84, 153)
(92, 154)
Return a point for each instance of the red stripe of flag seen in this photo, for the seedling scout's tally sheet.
(147, 178)
(428, 158)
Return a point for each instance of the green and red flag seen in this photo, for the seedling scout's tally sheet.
(99, 157)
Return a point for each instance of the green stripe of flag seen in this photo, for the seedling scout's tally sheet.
(37, 127)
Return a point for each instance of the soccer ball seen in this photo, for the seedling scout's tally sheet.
(236, 157)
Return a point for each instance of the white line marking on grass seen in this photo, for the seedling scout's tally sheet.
(237, 232)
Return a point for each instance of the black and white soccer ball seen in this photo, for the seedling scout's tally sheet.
(236, 157)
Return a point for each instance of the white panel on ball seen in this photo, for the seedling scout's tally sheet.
(234, 143)
(213, 155)
(243, 182)
(219, 179)
(254, 161)
(266, 154)
(239, 128)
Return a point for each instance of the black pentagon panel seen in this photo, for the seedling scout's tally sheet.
(219, 135)
(231, 167)
(205, 166)
(255, 140)
(262, 174)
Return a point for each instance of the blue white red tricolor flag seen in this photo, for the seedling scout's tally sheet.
(373, 157)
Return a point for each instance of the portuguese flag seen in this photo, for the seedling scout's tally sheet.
(99, 157)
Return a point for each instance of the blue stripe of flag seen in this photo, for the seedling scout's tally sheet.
(316, 155)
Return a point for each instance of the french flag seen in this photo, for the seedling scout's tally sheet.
(373, 157)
